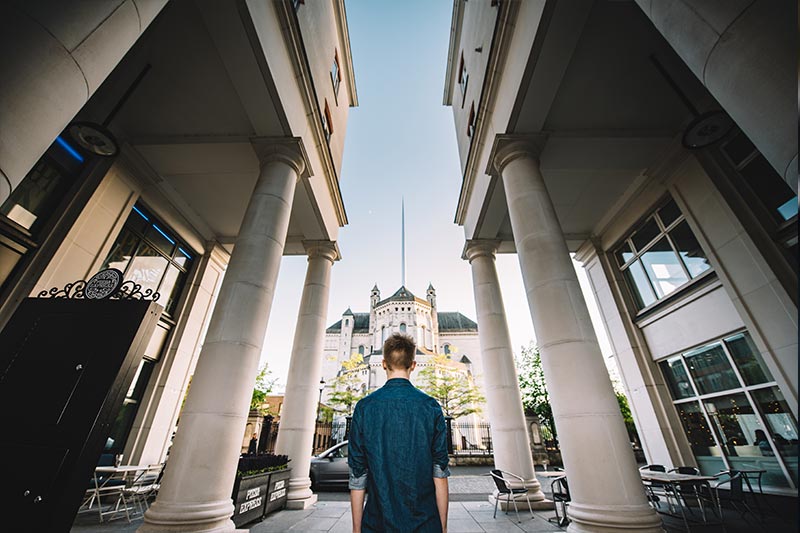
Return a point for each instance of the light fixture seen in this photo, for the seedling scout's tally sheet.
(94, 138)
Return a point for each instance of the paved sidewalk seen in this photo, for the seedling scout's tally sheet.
(464, 517)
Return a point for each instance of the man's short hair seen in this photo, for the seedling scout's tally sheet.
(399, 351)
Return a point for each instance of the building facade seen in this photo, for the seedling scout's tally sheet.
(189, 145)
(437, 333)
(657, 142)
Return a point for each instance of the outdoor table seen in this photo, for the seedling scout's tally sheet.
(673, 479)
(553, 474)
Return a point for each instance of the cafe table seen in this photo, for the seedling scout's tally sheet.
(674, 481)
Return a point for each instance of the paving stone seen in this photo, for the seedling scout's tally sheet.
(463, 526)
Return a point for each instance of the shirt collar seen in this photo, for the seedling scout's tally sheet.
(398, 381)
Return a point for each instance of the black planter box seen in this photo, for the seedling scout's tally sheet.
(249, 498)
(278, 490)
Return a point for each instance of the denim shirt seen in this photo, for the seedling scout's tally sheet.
(398, 444)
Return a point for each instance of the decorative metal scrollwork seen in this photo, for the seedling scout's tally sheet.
(106, 284)
(70, 291)
(133, 291)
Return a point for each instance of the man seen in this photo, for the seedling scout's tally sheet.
(398, 449)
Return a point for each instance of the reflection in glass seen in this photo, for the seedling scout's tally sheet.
(663, 268)
(669, 213)
(161, 239)
(624, 253)
(169, 285)
(693, 256)
(147, 268)
(645, 234)
(122, 251)
(747, 359)
(677, 379)
(701, 439)
(744, 438)
(36, 196)
(782, 427)
(637, 280)
(710, 369)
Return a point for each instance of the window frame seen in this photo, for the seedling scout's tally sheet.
(638, 253)
(336, 75)
(471, 121)
(743, 388)
(327, 122)
(463, 79)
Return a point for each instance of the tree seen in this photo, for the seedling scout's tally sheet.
(625, 409)
(263, 386)
(442, 381)
(347, 386)
(532, 386)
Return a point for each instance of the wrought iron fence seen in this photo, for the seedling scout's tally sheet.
(470, 438)
(327, 434)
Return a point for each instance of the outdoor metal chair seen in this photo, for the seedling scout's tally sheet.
(735, 495)
(656, 490)
(142, 488)
(504, 489)
(692, 489)
(560, 492)
(105, 486)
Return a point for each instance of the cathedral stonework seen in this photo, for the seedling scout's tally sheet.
(437, 333)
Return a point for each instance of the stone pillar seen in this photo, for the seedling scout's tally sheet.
(745, 53)
(605, 486)
(512, 449)
(56, 55)
(298, 418)
(195, 493)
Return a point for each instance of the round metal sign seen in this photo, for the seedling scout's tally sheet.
(103, 284)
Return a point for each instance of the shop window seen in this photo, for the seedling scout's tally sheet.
(148, 253)
(732, 411)
(660, 256)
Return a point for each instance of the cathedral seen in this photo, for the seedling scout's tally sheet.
(437, 333)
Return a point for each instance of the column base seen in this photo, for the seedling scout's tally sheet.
(542, 504)
(212, 517)
(302, 503)
(613, 519)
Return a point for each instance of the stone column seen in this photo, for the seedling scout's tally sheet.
(195, 493)
(298, 418)
(56, 55)
(745, 53)
(512, 449)
(605, 486)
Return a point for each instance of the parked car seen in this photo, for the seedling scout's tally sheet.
(329, 469)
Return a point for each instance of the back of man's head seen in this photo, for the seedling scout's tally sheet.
(399, 351)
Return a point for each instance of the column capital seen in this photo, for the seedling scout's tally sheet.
(508, 147)
(289, 150)
(479, 247)
(327, 249)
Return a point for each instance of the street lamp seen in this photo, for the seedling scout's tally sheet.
(319, 401)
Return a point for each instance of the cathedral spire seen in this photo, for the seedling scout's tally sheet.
(403, 242)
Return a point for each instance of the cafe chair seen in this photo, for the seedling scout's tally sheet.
(142, 488)
(691, 489)
(734, 495)
(656, 490)
(561, 497)
(504, 489)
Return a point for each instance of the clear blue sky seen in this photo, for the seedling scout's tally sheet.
(400, 142)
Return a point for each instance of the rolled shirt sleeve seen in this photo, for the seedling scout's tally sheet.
(356, 459)
(440, 457)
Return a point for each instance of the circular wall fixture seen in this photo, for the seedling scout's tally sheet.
(94, 138)
(707, 129)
